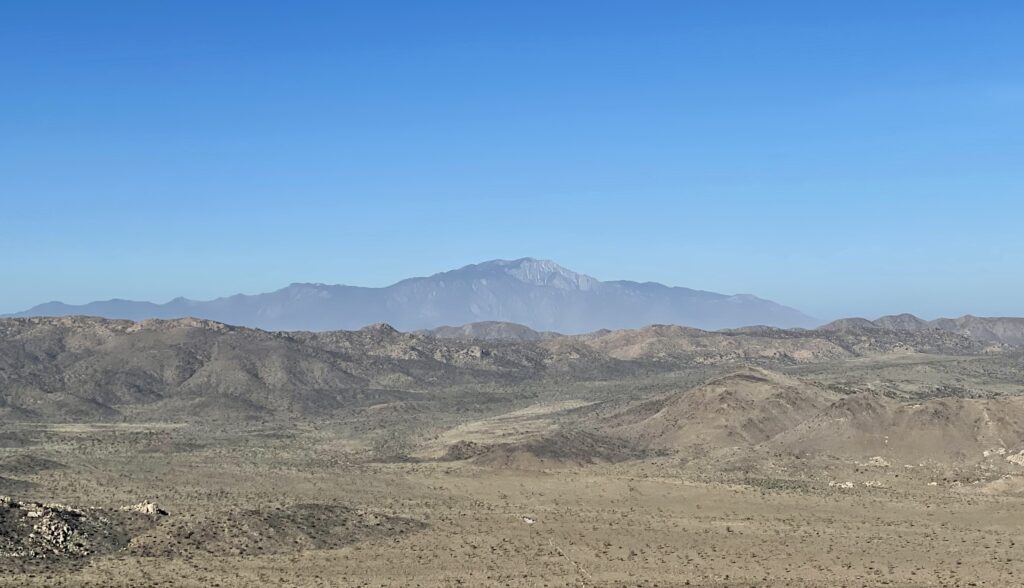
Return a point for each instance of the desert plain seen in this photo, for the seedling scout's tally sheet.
(192, 453)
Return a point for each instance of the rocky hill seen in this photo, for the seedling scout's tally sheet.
(80, 368)
(766, 412)
(942, 429)
(1009, 330)
(743, 408)
(88, 368)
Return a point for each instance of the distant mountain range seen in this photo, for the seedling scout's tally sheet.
(536, 293)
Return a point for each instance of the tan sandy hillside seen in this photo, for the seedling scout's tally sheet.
(943, 429)
(743, 408)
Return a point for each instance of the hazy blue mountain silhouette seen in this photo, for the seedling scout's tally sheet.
(537, 293)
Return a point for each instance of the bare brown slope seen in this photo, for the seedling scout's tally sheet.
(946, 429)
(743, 408)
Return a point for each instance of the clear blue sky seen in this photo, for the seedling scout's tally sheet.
(846, 158)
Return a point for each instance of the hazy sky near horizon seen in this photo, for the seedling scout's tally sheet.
(844, 158)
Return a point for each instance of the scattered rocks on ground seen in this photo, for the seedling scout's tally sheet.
(1016, 459)
(145, 507)
(36, 530)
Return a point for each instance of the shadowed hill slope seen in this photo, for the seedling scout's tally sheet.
(85, 368)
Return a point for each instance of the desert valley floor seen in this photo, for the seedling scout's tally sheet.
(170, 453)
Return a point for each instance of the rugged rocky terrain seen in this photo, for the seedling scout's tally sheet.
(994, 329)
(87, 368)
(197, 453)
(490, 330)
(38, 535)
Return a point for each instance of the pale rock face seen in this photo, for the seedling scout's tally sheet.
(1016, 459)
(145, 507)
(548, 273)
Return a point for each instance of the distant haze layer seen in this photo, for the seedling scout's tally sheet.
(537, 293)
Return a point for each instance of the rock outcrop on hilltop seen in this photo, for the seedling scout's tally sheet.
(34, 530)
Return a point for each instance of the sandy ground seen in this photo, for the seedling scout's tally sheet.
(658, 522)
